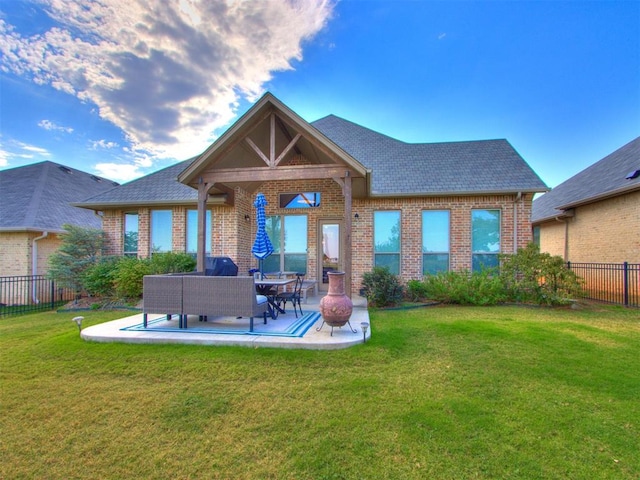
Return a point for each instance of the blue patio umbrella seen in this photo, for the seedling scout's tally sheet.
(262, 246)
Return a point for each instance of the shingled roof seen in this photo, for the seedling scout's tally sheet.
(158, 188)
(605, 178)
(399, 168)
(396, 168)
(38, 197)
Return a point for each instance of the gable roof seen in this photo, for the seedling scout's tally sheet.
(38, 197)
(157, 188)
(390, 167)
(261, 144)
(603, 179)
(399, 168)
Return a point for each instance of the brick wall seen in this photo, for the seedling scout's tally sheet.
(606, 231)
(16, 253)
(232, 234)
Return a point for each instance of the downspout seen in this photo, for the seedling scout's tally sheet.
(515, 222)
(566, 237)
(34, 264)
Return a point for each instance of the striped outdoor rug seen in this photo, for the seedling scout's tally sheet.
(283, 326)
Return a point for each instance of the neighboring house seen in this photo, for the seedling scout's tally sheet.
(595, 215)
(35, 201)
(340, 197)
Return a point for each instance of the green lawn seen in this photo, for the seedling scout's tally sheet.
(438, 392)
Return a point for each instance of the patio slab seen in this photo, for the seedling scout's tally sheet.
(262, 337)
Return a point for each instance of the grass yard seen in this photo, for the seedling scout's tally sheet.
(438, 392)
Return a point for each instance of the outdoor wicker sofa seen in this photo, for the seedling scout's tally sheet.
(197, 294)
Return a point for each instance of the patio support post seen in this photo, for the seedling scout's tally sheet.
(203, 193)
(347, 231)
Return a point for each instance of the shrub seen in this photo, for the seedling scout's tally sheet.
(382, 288)
(464, 288)
(128, 276)
(531, 276)
(99, 278)
(169, 262)
(416, 290)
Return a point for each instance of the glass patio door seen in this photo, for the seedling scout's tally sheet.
(330, 245)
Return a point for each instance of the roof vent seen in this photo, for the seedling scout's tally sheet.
(96, 179)
(65, 169)
(634, 174)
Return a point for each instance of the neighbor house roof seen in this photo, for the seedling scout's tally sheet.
(604, 179)
(399, 168)
(38, 197)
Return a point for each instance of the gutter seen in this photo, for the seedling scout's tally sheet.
(34, 264)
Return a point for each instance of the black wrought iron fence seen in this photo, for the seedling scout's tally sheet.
(31, 293)
(617, 283)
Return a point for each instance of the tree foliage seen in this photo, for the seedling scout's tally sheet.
(80, 249)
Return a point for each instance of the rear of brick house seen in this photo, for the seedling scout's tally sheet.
(340, 197)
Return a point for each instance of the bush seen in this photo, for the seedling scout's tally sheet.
(382, 288)
(169, 262)
(416, 290)
(534, 277)
(464, 288)
(128, 276)
(99, 278)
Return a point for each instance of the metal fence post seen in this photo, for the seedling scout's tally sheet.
(625, 283)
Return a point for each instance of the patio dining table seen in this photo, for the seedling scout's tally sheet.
(264, 287)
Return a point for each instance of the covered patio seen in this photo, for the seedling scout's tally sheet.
(287, 331)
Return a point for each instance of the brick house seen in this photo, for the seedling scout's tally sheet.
(35, 204)
(595, 215)
(340, 197)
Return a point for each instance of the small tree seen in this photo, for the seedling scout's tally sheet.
(531, 276)
(80, 249)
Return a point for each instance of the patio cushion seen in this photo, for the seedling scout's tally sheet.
(260, 299)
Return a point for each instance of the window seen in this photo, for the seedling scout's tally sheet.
(435, 241)
(300, 200)
(536, 235)
(161, 231)
(131, 234)
(192, 232)
(485, 238)
(288, 234)
(386, 240)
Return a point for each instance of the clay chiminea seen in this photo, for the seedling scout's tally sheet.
(336, 307)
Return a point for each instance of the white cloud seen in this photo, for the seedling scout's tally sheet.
(15, 151)
(49, 125)
(119, 172)
(103, 144)
(167, 73)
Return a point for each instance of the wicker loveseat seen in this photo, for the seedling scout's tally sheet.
(203, 296)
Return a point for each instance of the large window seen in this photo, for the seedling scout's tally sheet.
(485, 239)
(192, 232)
(386, 240)
(435, 241)
(288, 234)
(131, 234)
(161, 231)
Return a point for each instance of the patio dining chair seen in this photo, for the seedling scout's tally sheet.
(293, 296)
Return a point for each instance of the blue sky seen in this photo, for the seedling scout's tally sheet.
(120, 88)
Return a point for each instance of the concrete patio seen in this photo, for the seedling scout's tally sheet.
(235, 331)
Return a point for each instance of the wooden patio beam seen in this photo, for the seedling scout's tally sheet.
(297, 172)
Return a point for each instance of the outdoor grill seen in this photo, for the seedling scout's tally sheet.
(220, 267)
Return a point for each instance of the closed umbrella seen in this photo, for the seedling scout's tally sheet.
(262, 246)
